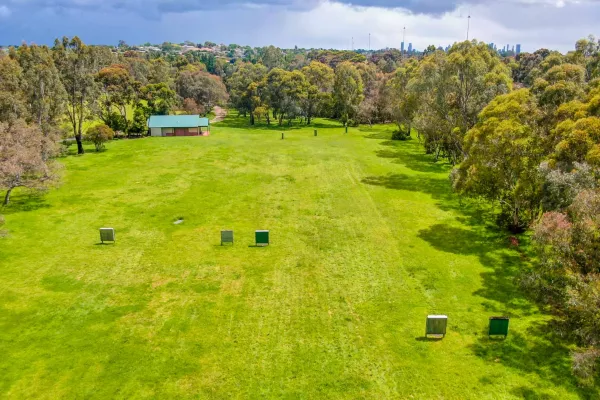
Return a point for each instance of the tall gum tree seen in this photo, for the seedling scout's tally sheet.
(452, 90)
(43, 90)
(503, 157)
(77, 67)
(320, 78)
(347, 90)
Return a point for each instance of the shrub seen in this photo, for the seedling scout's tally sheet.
(400, 135)
(585, 365)
(566, 276)
(99, 135)
(140, 120)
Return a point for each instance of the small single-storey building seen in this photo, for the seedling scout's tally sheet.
(178, 125)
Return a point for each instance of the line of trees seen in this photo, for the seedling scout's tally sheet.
(535, 152)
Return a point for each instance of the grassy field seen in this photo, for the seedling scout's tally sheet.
(367, 239)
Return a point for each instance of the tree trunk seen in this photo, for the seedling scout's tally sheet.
(126, 121)
(7, 197)
(308, 118)
(79, 144)
(251, 118)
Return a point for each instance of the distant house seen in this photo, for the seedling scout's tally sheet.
(178, 125)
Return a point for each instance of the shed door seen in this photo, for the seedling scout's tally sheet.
(181, 131)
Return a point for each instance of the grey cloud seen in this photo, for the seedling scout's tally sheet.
(157, 7)
(149, 7)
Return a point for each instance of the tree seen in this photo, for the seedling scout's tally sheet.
(118, 90)
(429, 50)
(207, 90)
(271, 57)
(574, 132)
(403, 101)
(160, 98)
(562, 186)
(566, 276)
(141, 114)
(244, 89)
(100, 134)
(320, 78)
(139, 69)
(77, 67)
(11, 96)
(347, 91)
(160, 72)
(560, 84)
(284, 92)
(24, 157)
(452, 90)
(192, 108)
(503, 154)
(43, 90)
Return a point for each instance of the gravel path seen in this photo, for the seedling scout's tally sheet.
(220, 114)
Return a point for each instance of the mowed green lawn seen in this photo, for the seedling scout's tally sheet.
(367, 240)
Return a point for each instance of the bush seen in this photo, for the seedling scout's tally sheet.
(140, 120)
(116, 122)
(400, 135)
(99, 135)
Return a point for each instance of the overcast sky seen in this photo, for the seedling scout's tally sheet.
(554, 24)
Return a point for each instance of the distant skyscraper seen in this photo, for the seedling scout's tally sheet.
(410, 48)
(507, 47)
(402, 48)
(518, 49)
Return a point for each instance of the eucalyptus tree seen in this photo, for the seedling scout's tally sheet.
(320, 79)
(347, 91)
(244, 89)
(77, 67)
(12, 102)
(452, 90)
(43, 90)
(504, 153)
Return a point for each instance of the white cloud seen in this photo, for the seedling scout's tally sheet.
(4, 12)
(334, 25)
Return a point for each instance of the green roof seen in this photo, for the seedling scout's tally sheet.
(176, 121)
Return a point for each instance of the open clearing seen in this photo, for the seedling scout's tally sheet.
(366, 240)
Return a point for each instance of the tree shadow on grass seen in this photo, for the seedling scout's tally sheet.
(419, 162)
(536, 351)
(469, 213)
(379, 136)
(502, 265)
(438, 188)
(25, 202)
(539, 352)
